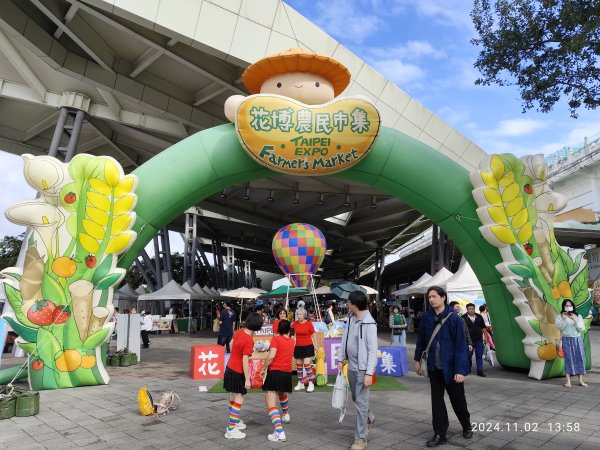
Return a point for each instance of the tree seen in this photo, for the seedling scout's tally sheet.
(548, 48)
(10, 246)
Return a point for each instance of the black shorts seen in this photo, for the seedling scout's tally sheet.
(278, 381)
(234, 382)
(304, 351)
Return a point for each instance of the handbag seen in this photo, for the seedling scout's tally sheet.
(425, 354)
(216, 326)
(339, 398)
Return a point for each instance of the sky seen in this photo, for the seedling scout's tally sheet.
(424, 47)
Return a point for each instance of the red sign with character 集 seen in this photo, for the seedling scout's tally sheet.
(207, 361)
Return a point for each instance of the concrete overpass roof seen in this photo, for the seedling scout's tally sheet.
(150, 73)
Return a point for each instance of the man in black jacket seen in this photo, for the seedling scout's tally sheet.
(476, 326)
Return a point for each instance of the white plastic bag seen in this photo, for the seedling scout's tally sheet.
(339, 399)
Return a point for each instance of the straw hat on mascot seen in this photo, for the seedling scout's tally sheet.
(310, 78)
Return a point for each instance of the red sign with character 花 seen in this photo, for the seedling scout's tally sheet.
(207, 361)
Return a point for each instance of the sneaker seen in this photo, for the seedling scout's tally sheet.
(277, 437)
(311, 387)
(299, 387)
(359, 444)
(241, 425)
(234, 434)
(285, 418)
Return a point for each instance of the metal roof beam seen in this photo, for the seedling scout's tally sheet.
(68, 16)
(47, 122)
(17, 61)
(111, 101)
(103, 133)
(144, 60)
(210, 91)
(158, 47)
(93, 53)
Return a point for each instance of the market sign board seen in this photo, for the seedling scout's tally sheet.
(291, 137)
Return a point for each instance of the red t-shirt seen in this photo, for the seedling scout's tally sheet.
(243, 344)
(275, 326)
(285, 353)
(303, 333)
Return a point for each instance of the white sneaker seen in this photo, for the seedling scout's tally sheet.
(241, 425)
(311, 387)
(299, 387)
(285, 418)
(234, 434)
(277, 437)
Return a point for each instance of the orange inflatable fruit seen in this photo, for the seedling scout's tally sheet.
(88, 361)
(64, 267)
(555, 293)
(61, 364)
(68, 361)
(564, 288)
(547, 352)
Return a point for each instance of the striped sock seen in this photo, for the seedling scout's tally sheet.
(234, 415)
(309, 373)
(276, 419)
(283, 401)
(300, 371)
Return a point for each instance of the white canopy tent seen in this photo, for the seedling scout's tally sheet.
(124, 296)
(172, 291)
(464, 287)
(439, 279)
(408, 290)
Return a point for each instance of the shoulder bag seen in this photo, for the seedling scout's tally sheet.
(425, 354)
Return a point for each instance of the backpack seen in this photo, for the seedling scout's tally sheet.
(145, 402)
(168, 401)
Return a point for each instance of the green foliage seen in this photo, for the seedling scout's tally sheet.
(10, 246)
(548, 48)
(29, 334)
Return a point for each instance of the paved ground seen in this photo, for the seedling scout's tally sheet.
(107, 416)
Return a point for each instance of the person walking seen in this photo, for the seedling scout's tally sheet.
(447, 363)
(477, 332)
(398, 327)
(570, 323)
(227, 319)
(145, 328)
(277, 379)
(359, 350)
(330, 316)
(236, 380)
(483, 311)
(305, 349)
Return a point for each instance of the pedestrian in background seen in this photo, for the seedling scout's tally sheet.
(477, 332)
(570, 323)
(306, 346)
(447, 363)
(359, 350)
(145, 328)
(227, 320)
(398, 327)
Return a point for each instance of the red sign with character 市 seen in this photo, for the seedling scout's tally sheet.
(207, 361)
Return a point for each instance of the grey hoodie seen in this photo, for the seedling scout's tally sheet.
(366, 329)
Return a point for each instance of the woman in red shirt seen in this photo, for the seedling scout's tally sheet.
(277, 376)
(281, 315)
(236, 380)
(305, 350)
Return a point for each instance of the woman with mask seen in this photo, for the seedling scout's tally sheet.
(398, 325)
(570, 324)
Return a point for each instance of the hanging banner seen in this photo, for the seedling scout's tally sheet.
(291, 137)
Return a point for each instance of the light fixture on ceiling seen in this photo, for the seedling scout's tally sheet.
(223, 194)
(346, 201)
(247, 194)
(270, 199)
(296, 198)
(321, 201)
(373, 202)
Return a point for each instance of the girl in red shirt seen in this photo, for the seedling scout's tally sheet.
(282, 314)
(304, 351)
(277, 376)
(236, 380)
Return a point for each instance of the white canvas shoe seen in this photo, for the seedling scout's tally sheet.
(299, 387)
(241, 425)
(285, 418)
(311, 387)
(234, 434)
(277, 437)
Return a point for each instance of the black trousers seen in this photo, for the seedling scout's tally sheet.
(225, 340)
(145, 340)
(456, 392)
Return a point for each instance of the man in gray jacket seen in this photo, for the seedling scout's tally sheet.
(359, 350)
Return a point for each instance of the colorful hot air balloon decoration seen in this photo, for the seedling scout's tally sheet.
(299, 249)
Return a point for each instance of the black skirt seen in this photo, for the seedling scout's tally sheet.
(234, 382)
(278, 381)
(304, 351)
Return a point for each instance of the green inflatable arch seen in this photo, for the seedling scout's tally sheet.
(433, 184)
